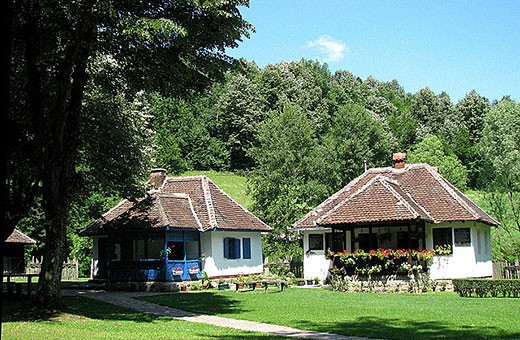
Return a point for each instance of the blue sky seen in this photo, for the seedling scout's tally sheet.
(451, 46)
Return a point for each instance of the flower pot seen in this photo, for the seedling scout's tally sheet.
(223, 286)
(301, 283)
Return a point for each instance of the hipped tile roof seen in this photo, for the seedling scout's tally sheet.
(416, 192)
(20, 238)
(193, 202)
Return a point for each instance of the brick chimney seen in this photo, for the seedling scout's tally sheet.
(399, 160)
(157, 177)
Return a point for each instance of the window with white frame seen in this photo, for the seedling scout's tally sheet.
(231, 248)
(462, 236)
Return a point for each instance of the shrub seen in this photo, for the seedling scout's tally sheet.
(487, 287)
(382, 261)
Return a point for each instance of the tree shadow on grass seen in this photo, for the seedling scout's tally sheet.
(15, 310)
(388, 328)
(206, 302)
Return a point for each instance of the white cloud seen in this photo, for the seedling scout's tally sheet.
(331, 49)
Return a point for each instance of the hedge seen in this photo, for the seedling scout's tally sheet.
(487, 287)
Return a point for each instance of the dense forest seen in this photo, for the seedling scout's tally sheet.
(299, 133)
(110, 90)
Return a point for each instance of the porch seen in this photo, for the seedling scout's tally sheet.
(389, 235)
(164, 255)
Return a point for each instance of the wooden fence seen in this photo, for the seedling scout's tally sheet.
(506, 270)
(295, 267)
(70, 269)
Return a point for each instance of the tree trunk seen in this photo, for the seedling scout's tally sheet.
(48, 294)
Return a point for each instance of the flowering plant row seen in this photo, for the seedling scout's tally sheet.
(381, 261)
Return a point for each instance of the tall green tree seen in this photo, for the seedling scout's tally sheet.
(432, 151)
(356, 139)
(500, 144)
(471, 111)
(238, 111)
(427, 109)
(159, 45)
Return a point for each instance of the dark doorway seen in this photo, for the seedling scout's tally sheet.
(364, 242)
(102, 258)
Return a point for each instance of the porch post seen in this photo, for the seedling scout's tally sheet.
(370, 236)
(344, 239)
(165, 252)
(352, 239)
(333, 245)
(423, 233)
(410, 235)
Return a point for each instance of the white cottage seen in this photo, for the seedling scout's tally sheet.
(182, 227)
(409, 206)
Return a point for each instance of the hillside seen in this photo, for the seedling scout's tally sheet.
(233, 184)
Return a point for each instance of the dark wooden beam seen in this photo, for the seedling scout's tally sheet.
(370, 238)
(352, 239)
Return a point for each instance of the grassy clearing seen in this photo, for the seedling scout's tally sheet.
(232, 184)
(86, 319)
(390, 316)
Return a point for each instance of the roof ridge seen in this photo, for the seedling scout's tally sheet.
(420, 206)
(233, 200)
(209, 202)
(162, 212)
(398, 196)
(115, 207)
(443, 182)
(331, 198)
(340, 204)
(201, 228)
(192, 177)
(174, 194)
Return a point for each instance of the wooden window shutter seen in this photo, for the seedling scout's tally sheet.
(246, 242)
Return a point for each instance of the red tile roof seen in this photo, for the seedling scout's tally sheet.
(181, 202)
(416, 192)
(20, 238)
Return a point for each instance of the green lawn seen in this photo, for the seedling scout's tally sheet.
(391, 316)
(232, 184)
(89, 319)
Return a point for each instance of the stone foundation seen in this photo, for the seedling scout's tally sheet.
(143, 286)
(416, 283)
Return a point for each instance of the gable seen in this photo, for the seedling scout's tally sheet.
(180, 202)
(418, 186)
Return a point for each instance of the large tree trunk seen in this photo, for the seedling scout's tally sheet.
(60, 125)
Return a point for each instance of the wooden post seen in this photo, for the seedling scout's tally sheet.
(333, 245)
(352, 239)
(370, 240)
(409, 236)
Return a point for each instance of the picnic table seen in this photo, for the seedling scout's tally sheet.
(265, 284)
(18, 285)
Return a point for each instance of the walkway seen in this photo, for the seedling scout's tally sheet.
(126, 300)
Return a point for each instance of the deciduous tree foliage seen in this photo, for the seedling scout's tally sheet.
(432, 151)
(500, 143)
(168, 46)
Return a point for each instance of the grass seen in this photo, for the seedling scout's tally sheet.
(234, 185)
(390, 316)
(85, 319)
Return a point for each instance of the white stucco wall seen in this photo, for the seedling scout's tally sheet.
(473, 260)
(315, 264)
(215, 264)
(94, 266)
